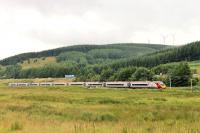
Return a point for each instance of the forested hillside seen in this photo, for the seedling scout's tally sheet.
(113, 51)
(146, 67)
(119, 62)
(189, 52)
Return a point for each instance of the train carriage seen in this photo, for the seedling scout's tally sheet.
(59, 84)
(13, 85)
(140, 84)
(94, 84)
(34, 84)
(76, 84)
(22, 84)
(46, 84)
(117, 84)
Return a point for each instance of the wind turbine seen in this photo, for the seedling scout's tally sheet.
(164, 39)
(173, 39)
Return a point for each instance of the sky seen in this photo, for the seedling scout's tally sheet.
(35, 25)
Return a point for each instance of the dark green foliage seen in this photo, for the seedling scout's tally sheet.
(188, 52)
(106, 74)
(2, 72)
(87, 62)
(35, 60)
(50, 70)
(28, 61)
(163, 68)
(195, 81)
(13, 71)
(73, 56)
(88, 116)
(106, 53)
(142, 74)
(181, 75)
(114, 62)
(129, 49)
(124, 74)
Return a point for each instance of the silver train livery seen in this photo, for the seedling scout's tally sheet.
(114, 84)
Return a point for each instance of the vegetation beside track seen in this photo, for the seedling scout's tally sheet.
(77, 109)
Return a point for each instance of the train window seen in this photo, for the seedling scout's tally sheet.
(33, 84)
(139, 84)
(116, 84)
(94, 84)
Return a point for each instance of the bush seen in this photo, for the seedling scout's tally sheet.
(106, 117)
(88, 116)
(109, 101)
(16, 126)
(142, 74)
(181, 75)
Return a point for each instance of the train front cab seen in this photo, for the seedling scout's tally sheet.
(160, 85)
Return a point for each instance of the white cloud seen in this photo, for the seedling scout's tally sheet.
(34, 25)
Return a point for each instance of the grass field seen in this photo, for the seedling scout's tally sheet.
(82, 110)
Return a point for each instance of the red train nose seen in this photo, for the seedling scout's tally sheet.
(158, 86)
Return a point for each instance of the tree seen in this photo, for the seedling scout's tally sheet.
(106, 74)
(28, 61)
(181, 75)
(124, 74)
(163, 68)
(13, 71)
(2, 72)
(142, 74)
(74, 56)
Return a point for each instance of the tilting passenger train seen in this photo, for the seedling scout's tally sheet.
(115, 84)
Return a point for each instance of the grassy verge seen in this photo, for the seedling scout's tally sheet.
(81, 110)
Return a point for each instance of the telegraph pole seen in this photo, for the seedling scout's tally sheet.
(191, 86)
(170, 82)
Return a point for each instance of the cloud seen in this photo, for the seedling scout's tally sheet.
(34, 25)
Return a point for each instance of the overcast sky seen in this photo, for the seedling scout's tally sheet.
(34, 25)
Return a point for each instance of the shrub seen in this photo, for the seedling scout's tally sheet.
(106, 117)
(16, 126)
(88, 116)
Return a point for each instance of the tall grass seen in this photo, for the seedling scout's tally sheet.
(76, 109)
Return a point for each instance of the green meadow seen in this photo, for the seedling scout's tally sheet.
(100, 110)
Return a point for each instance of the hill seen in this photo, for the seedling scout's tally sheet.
(129, 69)
(116, 51)
(114, 62)
(188, 52)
